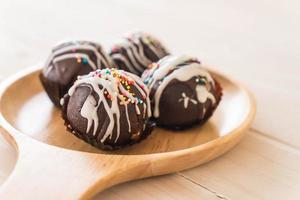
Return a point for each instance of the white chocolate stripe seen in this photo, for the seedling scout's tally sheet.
(75, 56)
(122, 58)
(144, 91)
(132, 57)
(84, 47)
(153, 49)
(127, 117)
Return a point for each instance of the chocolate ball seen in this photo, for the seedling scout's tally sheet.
(182, 92)
(67, 61)
(108, 109)
(136, 51)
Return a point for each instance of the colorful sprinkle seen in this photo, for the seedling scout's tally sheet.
(120, 80)
(201, 81)
(84, 60)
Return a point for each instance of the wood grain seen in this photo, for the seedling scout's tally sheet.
(258, 169)
(8, 157)
(168, 187)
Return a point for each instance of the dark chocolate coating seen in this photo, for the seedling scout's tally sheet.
(140, 124)
(175, 116)
(135, 43)
(172, 113)
(63, 66)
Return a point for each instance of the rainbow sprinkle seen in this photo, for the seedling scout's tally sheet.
(119, 77)
(84, 60)
(201, 80)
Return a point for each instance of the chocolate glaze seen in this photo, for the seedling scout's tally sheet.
(66, 62)
(136, 52)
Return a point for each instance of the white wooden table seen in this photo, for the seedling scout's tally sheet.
(256, 42)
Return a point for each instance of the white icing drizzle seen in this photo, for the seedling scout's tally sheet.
(157, 51)
(125, 61)
(143, 90)
(144, 111)
(69, 51)
(127, 117)
(133, 56)
(203, 94)
(112, 86)
(186, 100)
(89, 47)
(62, 101)
(136, 59)
(166, 70)
(75, 56)
(88, 109)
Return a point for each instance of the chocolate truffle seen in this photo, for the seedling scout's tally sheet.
(66, 62)
(136, 51)
(108, 109)
(182, 92)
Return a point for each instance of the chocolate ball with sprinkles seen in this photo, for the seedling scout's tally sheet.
(66, 62)
(182, 92)
(136, 51)
(108, 109)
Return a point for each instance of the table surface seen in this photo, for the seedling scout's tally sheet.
(255, 42)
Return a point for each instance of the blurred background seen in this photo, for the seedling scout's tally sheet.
(255, 42)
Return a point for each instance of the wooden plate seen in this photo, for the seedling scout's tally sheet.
(54, 164)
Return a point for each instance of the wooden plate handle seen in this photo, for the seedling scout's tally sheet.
(47, 172)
